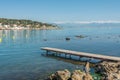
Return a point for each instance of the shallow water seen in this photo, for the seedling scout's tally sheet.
(20, 54)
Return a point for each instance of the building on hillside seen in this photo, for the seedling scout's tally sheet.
(6, 26)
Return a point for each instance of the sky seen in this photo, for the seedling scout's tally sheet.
(61, 10)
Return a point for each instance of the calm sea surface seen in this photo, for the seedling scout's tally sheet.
(20, 54)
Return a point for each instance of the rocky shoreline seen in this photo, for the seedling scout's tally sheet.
(18, 24)
(107, 70)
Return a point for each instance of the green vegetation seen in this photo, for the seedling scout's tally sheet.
(11, 23)
(96, 76)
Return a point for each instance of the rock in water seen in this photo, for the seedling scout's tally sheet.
(109, 70)
(77, 75)
(67, 38)
(52, 77)
(87, 76)
(80, 36)
(60, 75)
(63, 75)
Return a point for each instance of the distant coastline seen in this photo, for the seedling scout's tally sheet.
(18, 24)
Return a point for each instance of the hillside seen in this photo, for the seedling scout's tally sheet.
(24, 24)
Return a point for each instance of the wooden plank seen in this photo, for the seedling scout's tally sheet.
(83, 54)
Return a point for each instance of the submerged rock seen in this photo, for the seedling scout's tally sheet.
(44, 39)
(80, 36)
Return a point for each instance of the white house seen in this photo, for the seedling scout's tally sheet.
(6, 26)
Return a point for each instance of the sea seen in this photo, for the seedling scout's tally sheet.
(21, 57)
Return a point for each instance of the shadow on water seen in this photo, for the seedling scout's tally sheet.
(68, 60)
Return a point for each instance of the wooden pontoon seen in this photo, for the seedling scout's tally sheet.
(80, 54)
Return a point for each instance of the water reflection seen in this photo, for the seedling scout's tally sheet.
(68, 60)
(0, 40)
(8, 36)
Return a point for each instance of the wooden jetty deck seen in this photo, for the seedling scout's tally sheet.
(80, 54)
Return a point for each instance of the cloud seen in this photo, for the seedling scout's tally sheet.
(86, 22)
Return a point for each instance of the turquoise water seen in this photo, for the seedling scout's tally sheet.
(20, 54)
